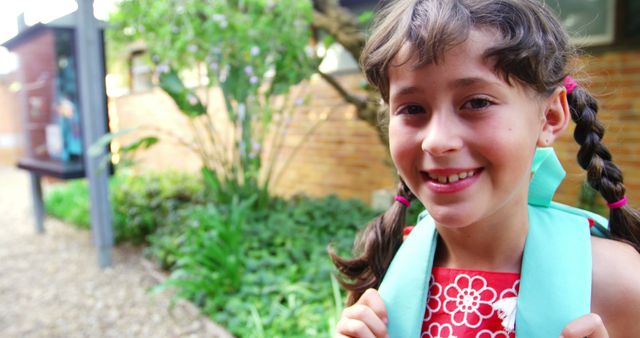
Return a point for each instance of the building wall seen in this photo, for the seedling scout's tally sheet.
(344, 156)
(10, 136)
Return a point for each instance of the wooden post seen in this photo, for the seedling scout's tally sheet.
(92, 102)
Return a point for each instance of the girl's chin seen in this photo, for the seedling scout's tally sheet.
(452, 217)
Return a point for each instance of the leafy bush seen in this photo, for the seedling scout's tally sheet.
(286, 287)
(143, 203)
(69, 202)
(260, 273)
(210, 258)
(140, 203)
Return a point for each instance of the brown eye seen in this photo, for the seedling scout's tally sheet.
(477, 103)
(411, 110)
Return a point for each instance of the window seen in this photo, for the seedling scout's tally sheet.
(630, 20)
(589, 22)
(140, 71)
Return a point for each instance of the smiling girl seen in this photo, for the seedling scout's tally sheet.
(477, 91)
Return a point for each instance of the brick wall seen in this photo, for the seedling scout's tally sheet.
(10, 137)
(344, 156)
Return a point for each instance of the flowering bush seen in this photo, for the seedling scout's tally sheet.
(254, 50)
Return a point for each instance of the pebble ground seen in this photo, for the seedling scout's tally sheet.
(51, 285)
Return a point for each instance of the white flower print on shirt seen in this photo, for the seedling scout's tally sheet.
(436, 330)
(489, 334)
(433, 302)
(469, 300)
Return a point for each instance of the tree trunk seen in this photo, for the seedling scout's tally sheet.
(342, 25)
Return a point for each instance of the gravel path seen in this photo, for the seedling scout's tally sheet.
(51, 286)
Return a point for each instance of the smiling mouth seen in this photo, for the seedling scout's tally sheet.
(450, 178)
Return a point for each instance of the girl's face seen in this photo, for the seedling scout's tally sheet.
(461, 137)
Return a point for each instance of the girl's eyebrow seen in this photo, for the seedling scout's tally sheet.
(455, 84)
(471, 81)
(405, 91)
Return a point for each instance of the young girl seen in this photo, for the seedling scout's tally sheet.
(477, 91)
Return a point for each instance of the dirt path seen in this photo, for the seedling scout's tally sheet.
(51, 286)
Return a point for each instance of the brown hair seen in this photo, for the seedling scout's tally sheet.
(533, 48)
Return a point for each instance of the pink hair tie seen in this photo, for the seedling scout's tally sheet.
(403, 200)
(618, 204)
(570, 84)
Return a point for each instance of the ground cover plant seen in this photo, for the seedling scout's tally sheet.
(141, 203)
(260, 272)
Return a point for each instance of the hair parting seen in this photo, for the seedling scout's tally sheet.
(374, 248)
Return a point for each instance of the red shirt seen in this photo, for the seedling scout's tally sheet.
(461, 303)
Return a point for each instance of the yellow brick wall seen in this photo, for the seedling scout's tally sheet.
(344, 156)
(9, 125)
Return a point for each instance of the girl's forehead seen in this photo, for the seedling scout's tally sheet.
(468, 55)
(460, 66)
(473, 46)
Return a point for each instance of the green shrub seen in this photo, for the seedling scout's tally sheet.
(143, 203)
(260, 273)
(140, 203)
(69, 202)
(210, 259)
(285, 288)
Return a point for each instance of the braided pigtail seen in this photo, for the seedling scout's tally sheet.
(602, 174)
(375, 247)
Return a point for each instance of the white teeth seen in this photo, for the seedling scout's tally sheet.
(451, 178)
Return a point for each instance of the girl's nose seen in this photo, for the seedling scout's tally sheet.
(442, 136)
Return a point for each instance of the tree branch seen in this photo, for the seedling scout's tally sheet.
(356, 101)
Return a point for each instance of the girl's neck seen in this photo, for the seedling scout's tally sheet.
(496, 244)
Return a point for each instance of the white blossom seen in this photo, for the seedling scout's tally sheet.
(241, 111)
(193, 100)
(256, 146)
(218, 17)
(162, 68)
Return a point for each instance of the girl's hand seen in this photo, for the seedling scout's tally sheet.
(365, 319)
(590, 326)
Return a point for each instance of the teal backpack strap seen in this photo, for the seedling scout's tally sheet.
(405, 285)
(555, 281)
(547, 176)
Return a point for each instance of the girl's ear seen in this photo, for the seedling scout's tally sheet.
(556, 117)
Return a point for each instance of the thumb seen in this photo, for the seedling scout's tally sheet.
(589, 325)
